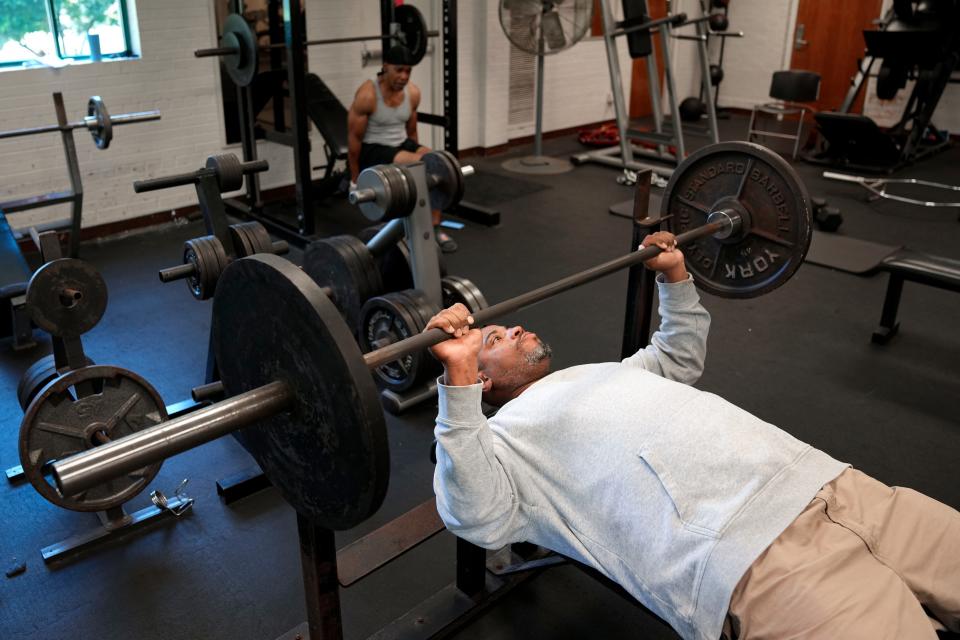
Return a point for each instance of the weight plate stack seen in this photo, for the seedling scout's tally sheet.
(344, 264)
(457, 289)
(448, 188)
(37, 376)
(395, 267)
(229, 171)
(390, 318)
(209, 259)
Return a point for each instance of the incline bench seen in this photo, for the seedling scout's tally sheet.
(904, 265)
(329, 116)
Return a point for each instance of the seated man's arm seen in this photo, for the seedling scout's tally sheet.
(476, 495)
(414, 92)
(677, 349)
(364, 102)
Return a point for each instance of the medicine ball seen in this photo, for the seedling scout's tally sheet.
(716, 74)
(692, 109)
(718, 22)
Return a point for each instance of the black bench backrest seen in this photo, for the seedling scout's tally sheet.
(328, 115)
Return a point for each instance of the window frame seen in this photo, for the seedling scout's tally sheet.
(55, 29)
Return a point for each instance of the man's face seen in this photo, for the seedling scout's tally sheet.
(397, 75)
(513, 354)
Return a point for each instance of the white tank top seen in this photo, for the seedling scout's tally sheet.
(387, 125)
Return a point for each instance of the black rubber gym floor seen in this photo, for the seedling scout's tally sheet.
(800, 358)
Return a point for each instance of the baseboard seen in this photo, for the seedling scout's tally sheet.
(150, 220)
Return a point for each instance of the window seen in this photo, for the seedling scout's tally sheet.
(50, 32)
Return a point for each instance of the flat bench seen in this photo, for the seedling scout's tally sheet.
(912, 266)
(865, 258)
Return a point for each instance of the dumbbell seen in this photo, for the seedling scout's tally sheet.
(827, 218)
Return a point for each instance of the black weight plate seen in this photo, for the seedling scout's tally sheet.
(241, 66)
(455, 171)
(207, 267)
(242, 246)
(396, 272)
(443, 194)
(331, 263)
(37, 376)
(777, 230)
(259, 237)
(413, 30)
(328, 453)
(66, 297)
(384, 320)
(58, 424)
(366, 264)
(457, 289)
(103, 131)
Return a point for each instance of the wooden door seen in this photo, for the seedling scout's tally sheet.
(639, 85)
(829, 40)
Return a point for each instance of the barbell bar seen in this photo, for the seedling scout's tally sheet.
(86, 470)
(98, 119)
(297, 378)
(214, 52)
(239, 47)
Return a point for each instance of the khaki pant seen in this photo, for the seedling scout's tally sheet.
(863, 560)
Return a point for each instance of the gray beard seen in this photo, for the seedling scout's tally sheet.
(538, 355)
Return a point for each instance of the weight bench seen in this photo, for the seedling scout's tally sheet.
(864, 258)
(912, 266)
(329, 116)
(14, 275)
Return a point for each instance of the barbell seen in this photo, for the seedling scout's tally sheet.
(300, 391)
(98, 121)
(239, 48)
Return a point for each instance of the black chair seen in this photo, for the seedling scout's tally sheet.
(789, 88)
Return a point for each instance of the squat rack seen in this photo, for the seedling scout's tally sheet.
(297, 135)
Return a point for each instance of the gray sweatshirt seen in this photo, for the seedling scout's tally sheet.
(670, 491)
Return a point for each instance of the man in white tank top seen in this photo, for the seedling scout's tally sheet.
(382, 124)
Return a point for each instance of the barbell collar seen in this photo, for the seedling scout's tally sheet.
(731, 220)
(466, 171)
(359, 196)
(178, 272)
(280, 247)
(83, 471)
(216, 52)
(430, 338)
(209, 391)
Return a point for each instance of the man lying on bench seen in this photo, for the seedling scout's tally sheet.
(383, 124)
(715, 520)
